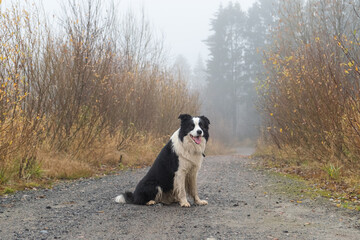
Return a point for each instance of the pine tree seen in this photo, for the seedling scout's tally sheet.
(235, 63)
(198, 79)
(226, 64)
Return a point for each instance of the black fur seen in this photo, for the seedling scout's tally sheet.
(187, 125)
(161, 174)
(204, 124)
(163, 170)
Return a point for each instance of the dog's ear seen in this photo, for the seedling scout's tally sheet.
(205, 119)
(184, 117)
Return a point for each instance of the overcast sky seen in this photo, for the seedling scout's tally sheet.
(184, 23)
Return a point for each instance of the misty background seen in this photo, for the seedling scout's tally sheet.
(215, 46)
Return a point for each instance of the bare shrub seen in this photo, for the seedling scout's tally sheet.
(310, 97)
(89, 82)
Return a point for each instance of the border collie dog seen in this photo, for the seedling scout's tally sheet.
(174, 172)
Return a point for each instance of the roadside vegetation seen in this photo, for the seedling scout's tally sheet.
(310, 95)
(82, 94)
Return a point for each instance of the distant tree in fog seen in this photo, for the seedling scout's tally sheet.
(235, 62)
(260, 22)
(198, 78)
(226, 64)
(182, 68)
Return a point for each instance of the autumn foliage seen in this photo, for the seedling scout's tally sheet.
(90, 86)
(310, 99)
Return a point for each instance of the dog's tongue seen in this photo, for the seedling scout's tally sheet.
(197, 140)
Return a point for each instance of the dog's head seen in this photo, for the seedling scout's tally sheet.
(197, 128)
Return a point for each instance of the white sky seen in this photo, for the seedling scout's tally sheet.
(184, 23)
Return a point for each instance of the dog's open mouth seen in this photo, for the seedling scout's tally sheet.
(197, 139)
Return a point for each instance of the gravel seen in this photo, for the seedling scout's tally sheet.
(244, 203)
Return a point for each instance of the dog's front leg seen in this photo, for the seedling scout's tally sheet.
(179, 188)
(191, 185)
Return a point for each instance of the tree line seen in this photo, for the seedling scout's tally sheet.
(302, 57)
(235, 65)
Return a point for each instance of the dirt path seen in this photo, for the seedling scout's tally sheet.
(244, 203)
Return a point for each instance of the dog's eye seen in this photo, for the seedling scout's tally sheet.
(193, 125)
(200, 124)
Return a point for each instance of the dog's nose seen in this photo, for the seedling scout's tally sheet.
(199, 132)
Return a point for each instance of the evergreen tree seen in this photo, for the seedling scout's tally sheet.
(226, 64)
(198, 78)
(235, 63)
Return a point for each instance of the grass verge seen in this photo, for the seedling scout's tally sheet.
(339, 183)
(104, 157)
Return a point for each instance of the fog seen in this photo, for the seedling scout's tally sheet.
(217, 47)
(223, 71)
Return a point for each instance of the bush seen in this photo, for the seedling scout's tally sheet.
(71, 89)
(310, 99)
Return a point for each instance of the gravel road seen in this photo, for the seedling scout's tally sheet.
(244, 203)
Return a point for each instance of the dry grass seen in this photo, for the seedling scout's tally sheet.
(218, 147)
(341, 180)
(101, 159)
(90, 95)
(139, 151)
(62, 166)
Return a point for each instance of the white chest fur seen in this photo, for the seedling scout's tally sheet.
(188, 150)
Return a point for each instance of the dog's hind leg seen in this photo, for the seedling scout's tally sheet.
(167, 198)
(151, 202)
(157, 197)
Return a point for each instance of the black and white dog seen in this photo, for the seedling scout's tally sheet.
(174, 172)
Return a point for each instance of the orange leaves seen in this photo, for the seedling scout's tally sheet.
(305, 88)
(287, 59)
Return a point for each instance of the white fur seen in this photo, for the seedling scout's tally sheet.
(188, 149)
(196, 121)
(120, 199)
(190, 159)
(159, 194)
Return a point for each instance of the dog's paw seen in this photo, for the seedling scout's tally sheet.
(185, 204)
(201, 202)
(150, 203)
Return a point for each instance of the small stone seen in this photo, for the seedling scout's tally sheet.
(25, 197)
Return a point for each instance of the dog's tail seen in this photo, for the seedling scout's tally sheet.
(126, 197)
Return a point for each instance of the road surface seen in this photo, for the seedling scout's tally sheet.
(244, 203)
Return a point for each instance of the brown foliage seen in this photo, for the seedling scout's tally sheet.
(92, 82)
(310, 98)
